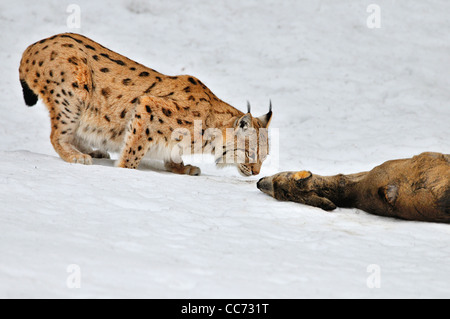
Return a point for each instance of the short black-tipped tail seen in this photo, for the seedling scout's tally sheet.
(28, 95)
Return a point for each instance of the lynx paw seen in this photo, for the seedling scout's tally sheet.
(81, 159)
(99, 154)
(192, 170)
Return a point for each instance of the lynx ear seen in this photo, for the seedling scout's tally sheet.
(265, 119)
(243, 123)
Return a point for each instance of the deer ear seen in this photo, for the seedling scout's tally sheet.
(243, 123)
(389, 194)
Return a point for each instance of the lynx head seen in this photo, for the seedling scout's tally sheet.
(246, 143)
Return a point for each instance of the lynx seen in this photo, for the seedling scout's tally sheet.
(101, 100)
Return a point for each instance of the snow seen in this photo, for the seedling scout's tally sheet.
(345, 98)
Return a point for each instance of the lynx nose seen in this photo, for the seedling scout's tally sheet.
(265, 185)
(255, 171)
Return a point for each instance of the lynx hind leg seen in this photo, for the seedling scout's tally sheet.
(62, 137)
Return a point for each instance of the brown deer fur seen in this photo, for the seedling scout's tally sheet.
(417, 188)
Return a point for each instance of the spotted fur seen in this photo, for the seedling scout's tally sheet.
(103, 100)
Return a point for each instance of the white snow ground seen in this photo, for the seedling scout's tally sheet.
(346, 98)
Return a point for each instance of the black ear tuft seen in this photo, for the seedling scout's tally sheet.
(266, 118)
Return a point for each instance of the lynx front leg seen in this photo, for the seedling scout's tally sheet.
(141, 135)
(138, 142)
(180, 168)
